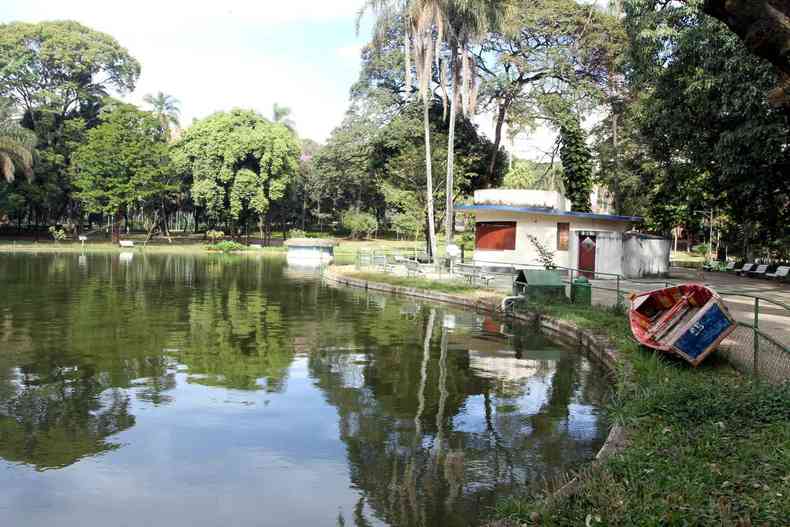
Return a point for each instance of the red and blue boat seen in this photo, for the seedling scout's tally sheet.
(687, 320)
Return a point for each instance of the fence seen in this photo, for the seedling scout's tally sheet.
(754, 347)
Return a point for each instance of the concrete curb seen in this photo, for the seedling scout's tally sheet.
(597, 346)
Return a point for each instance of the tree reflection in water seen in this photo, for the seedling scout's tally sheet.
(437, 411)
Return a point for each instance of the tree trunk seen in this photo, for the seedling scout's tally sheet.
(500, 120)
(429, 181)
(407, 55)
(449, 217)
(116, 227)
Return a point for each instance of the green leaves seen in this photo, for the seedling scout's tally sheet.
(124, 161)
(239, 163)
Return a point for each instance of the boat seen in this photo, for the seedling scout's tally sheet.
(687, 320)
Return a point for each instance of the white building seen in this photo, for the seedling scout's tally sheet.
(593, 242)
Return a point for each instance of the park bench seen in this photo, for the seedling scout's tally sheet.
(731, 267)
(781, 273)
(126, 243)
(759, 271)
(745, 269)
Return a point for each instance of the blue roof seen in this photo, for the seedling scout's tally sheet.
(550, 212)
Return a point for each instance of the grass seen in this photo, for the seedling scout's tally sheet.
(76, 247)
(707, 446)
(442, 286)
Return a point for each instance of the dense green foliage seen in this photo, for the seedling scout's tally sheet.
(123, 163)
(359, 223)
(238, 162)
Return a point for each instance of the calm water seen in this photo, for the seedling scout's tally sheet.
(201, 391)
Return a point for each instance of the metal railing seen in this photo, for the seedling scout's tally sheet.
(751, 348)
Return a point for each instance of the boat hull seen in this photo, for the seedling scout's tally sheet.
(688, 320)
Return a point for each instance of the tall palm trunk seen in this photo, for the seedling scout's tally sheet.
(429, 181)
(454, 100)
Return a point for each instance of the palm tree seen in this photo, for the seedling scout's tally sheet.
(467, 21)
(424, 24)
(17, 145)
(166, 108)
(280, 115)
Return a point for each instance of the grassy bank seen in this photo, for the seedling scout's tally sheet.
(454, 287)
(707, 446)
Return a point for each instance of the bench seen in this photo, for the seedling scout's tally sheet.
(781, 273)
(126, 243)
(760, 271)
(745, 269)
(730, 267)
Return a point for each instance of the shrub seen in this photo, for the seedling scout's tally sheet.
(545, 255)
(701, 249)
(214, 236)
(57, 234)
(297, 233)
(359, 223)
(226, 246)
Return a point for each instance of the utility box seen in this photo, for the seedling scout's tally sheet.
(581, 292)
(539, 285)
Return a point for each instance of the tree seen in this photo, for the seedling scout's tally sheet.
(764, 28)
(58, 73)
(166, 108)
(560, 45)
(712, 139)
(61, 66)
(16, 145)
(424, 21)
(123, 163)
(280, 115)
(467, 22)
(576, 162)
(239, 163)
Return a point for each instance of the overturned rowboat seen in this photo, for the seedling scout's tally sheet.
(688, 320)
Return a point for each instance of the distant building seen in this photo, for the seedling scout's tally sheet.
(588, 241)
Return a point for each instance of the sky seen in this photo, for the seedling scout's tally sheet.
(214, 56)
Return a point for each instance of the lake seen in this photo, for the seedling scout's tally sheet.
(204, 390)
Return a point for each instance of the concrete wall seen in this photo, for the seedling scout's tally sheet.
(544, 227)
(645, 256)
(522, 198)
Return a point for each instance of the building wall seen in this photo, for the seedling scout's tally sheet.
(645, 256)
(544, 227)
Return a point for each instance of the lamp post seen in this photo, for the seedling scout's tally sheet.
(710, 230)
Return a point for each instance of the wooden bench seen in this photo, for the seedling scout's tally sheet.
(781, 273)
(126, 243)
(759, 271)
(745, 269)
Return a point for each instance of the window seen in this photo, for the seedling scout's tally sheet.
(563, 234)
(495, 236)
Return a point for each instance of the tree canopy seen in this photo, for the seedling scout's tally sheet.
(238, 161)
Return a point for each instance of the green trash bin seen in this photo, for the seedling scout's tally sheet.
(581, 292)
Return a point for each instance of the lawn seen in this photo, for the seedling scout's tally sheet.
(707, 446)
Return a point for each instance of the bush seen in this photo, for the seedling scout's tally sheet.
(226, 246)
(701, 249)
(297, 233)
(58, 235)
(360, 223)
(214, 236)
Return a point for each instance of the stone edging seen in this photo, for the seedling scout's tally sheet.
(597, 346)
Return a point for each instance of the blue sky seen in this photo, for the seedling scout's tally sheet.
(218, 55)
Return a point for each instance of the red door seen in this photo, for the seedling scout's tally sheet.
(587, 255)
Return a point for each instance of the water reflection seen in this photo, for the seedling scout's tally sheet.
(237, 385)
